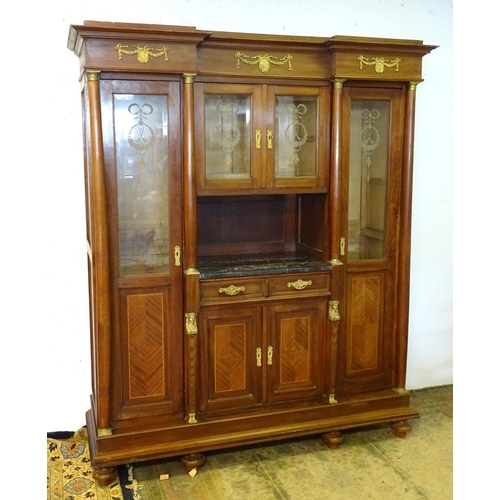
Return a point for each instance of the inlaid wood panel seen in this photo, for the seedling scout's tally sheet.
(146, 348)
(295, 343)
(230, 356)
(229, 338)
(151, 357)
(367, 346)
(295, 337)
(364, 323)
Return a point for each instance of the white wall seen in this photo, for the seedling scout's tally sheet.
(44, 255)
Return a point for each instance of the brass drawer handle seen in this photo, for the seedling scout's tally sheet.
(232, 290)
(299, 284)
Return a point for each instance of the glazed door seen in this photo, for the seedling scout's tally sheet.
(142, 147)
(229, 136)
(372, 125)
(297, 136)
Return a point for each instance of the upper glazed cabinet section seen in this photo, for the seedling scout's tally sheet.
(257, 137)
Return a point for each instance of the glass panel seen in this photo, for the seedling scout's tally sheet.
(142, 183)
(368, 167)
(295, 127)
(227, 136)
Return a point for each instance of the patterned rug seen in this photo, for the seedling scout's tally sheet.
(69, 473)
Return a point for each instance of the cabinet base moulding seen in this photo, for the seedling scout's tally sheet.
(188, 441)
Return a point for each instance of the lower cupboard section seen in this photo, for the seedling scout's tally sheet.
(258, 354)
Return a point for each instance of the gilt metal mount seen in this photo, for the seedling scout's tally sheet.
(263, 61)
(380, 63)
(143, 52)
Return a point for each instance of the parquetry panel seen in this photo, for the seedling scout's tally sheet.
(230, 357)
(363, 323)
(295, 350)
(145, 345)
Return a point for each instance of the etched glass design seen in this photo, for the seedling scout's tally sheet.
(140, 126)
(295, 142)
(227, 136)
(368, 169)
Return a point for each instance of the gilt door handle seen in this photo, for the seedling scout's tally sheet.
(269, 137)
(257, 138)
(270, 355)
(258, 355)
(177, 255)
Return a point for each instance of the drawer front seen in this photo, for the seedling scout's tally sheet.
(232, 290)
(299, 284)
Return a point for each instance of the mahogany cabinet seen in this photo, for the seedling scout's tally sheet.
(248, 205)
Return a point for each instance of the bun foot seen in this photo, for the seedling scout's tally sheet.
(104, 475)
(400, 429)
(194, 461)
(333, 439)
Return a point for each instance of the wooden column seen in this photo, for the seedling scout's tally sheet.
(337, 281)
(403, 294)
(191, 274)
(100, 260)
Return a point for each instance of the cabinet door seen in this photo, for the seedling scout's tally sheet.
(141, 137)
(231, 357)
(373, 124)
(229, 136)
(294, 352)
(297, 136)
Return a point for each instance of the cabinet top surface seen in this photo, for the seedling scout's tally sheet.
(95, 29)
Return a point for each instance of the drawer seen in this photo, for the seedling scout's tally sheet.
(232, 290)
(300, 284)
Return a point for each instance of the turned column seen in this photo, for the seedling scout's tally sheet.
(337, 248)
(403, 293)
(100, 261)
(191, 274)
